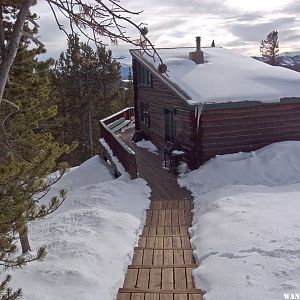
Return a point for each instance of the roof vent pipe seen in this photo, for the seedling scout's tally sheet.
(198, 43)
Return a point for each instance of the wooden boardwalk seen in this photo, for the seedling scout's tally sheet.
(162, 264)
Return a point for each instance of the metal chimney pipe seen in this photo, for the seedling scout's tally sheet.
(198, 43)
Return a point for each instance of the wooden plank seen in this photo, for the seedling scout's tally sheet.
(168, 230)
(162, 248)
(181, 217)
(168, 217)
(152, 231)
(188, 217)
(159, 242)
(195, 297)
(183, 230)
(162, 291)
(145, 230)
(178, 257)
(189, 278)
(150, 242)
(131, 278)
(137, 257)
(149, 296)
(167, 279)
(155, 279)
(143, 279)
(180, 296)
(176, 242)
(168, 257)
(175, 217)
(149, 217)
(168, 242)
(185, 242)
(188, 257)
(137, 296)
(158, 257)
(160, 230)
(162, 216)
(166, 297)
(180, 279)
(193, 266)
(176, 230)
(123, 296)
(154, 220)
(148, 257)
(142, 241)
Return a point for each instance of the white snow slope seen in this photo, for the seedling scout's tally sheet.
(89, 240)
(246, 224)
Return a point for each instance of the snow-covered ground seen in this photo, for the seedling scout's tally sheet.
(89, 240)
(147, 145)
(246, 224)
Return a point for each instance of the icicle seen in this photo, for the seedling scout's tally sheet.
(198, 110)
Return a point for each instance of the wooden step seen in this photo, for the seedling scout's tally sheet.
(163, 248)
(191, 266)
(188, 291)
(165, 230)
(158, 296)
(163, 257)
(169, 217)
(164, 241)
(177, 204)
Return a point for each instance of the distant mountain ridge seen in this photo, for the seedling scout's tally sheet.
(125, 70)
(289, 60)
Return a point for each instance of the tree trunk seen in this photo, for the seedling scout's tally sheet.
(25, 242)
(7, 58)
(90, 131)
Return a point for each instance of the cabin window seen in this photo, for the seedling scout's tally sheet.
(144, 76)
(145, 113)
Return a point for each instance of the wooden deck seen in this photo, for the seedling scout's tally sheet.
(162, 264)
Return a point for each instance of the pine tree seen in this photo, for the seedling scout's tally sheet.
(28, 155)
(86, 89)
(269, 48)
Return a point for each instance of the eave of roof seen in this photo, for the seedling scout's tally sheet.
(177, 90)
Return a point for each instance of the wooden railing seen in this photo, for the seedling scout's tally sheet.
(124, 154)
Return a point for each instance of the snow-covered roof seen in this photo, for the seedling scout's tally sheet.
(227, 77)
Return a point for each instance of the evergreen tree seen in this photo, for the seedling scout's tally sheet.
(269, 48)
(28, 155)
(86, 90)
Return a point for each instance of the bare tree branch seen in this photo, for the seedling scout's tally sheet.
(33, 38)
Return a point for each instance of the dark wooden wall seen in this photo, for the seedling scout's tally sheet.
(159, 97)
(232, 130)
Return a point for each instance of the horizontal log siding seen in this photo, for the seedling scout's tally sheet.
(159, 97)
(232, 130)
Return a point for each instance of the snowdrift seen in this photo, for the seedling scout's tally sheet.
(89, 240)
(246, 223)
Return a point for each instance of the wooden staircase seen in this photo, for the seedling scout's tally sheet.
(162, 264)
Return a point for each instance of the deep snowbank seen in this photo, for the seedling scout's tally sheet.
(246, 228)
(89, 240)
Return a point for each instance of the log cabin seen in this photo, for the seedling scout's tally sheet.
(213, 101)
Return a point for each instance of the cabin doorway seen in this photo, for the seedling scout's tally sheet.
(169, 125)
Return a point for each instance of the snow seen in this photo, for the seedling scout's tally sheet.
(89, 239)
(227, 77)
(147, 145)
(245, 231)
(178, 152)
